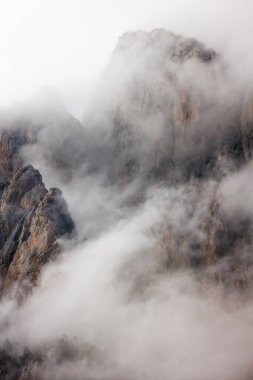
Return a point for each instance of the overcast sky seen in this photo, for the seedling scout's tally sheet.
(67, 43)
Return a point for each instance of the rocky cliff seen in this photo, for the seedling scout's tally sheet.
(176, 121)
(174, 111)
(32, 217)
(166, 117)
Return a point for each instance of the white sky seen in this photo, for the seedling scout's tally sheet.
(67, 43)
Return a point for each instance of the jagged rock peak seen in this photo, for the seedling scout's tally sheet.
(175, 46)
(32, 218)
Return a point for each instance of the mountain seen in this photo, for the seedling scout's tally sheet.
(174, 113)
(32, 217)
(174, 120)
(168, 117)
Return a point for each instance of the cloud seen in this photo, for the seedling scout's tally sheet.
(113, 294)
(77, 42)
(126, 301)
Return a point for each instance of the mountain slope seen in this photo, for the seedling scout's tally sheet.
(32, 218)
(164, 159)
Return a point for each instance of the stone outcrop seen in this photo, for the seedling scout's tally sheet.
(32, 218)
(29, 365)
(247, 127)
(174, 113)
(177, 121)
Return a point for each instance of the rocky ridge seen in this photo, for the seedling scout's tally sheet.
(176, 122)
(172, 122)
(32, 217)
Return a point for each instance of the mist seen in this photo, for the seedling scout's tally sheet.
(67, 44)
(144, 143)
(114, 295)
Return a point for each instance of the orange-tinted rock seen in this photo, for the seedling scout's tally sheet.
(31, 217)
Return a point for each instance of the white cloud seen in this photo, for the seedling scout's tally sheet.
(68, 43)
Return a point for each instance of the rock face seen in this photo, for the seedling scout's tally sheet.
(32, 218)
(175, 121)
(36, 365)
(247, 127)
(171, 120)
(173, 113)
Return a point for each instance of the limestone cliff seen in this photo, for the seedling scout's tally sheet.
(168, 120)
(174, 112)
(32, 218)
(176, 121)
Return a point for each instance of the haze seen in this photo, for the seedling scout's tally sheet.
(67, 43)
